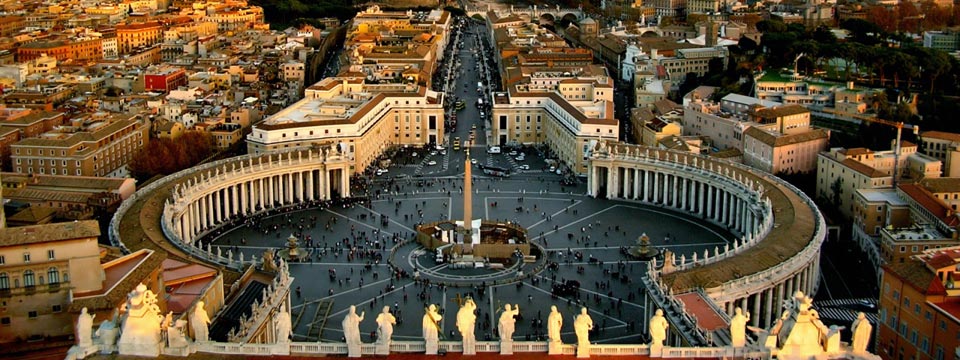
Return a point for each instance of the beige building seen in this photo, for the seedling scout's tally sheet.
(658, 128)
(841, 172)
(363, 119)
(98, 145)
(875, 209)
(944, 146)
(135, 35)
(933, 225)
(568, 115)
(40, 267)
(776, 153)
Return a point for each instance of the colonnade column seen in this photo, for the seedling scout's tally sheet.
(646, 185)
(656, 187)
(755, 316)
(767, 307)
(311, 195)
(636, 184)
(683, 193)
(711, 210)
(345, 183)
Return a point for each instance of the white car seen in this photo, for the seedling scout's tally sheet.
(431, 163)
(524, 167)
(433, 153)
(473, 161)
(512, 153)
(414, 154)
(520, 158)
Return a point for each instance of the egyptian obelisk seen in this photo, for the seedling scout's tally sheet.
(467, 202)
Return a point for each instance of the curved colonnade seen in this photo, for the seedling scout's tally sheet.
(202, 199)
(781, 229)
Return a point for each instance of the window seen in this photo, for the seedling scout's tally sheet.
(32, 314)
(57, 308)
(4, 281)
(50, 255)
(28, 279)
(5, 321)
(2, 260)
(53, 276)
(26, 257)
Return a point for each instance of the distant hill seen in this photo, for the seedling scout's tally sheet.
(283, 13)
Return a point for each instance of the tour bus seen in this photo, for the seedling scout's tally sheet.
(496, 171)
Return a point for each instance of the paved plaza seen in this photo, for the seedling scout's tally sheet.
(584, 237)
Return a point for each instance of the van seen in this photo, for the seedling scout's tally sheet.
(494, 150)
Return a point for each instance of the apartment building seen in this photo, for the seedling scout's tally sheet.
(137, 35)
(363, 119)
(942, 40)
(920, 307)
(40, 267)
(944, 146)
(569, 116)
(96, 145)
(164, 78)
(840, 172)
(777, 153)
(86, 49)
(874, 210)
(933, 225)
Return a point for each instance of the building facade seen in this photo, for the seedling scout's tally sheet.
(920, 307)
(92, 147)
(363, 119)
(40, 267)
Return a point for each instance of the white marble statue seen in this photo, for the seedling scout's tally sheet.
(831, 341)
(861, 334)
(466, 322)
(582, 325)
(385, 322)
(175, 336)
(431, 329)
(85, 329)
(738, 328)
(351, 325)
(199, 322)
(107, 332)
(554, 323)
(282, 325)
(507, 323)
(140, 334)
(351, 331)
(658, 328)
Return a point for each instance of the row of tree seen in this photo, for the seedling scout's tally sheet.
(869, 54)
(165, 156)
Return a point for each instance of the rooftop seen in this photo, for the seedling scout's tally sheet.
(888, 196)
(24, 235)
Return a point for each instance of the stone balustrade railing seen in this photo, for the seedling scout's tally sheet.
(323, 349)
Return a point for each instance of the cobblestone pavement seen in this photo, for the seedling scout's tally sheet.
(582, 235)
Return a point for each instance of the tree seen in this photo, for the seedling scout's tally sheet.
(771, 26)
(165, 156)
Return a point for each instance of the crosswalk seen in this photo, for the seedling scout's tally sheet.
(846, 310)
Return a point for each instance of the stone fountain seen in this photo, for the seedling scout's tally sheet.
(643, 250)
